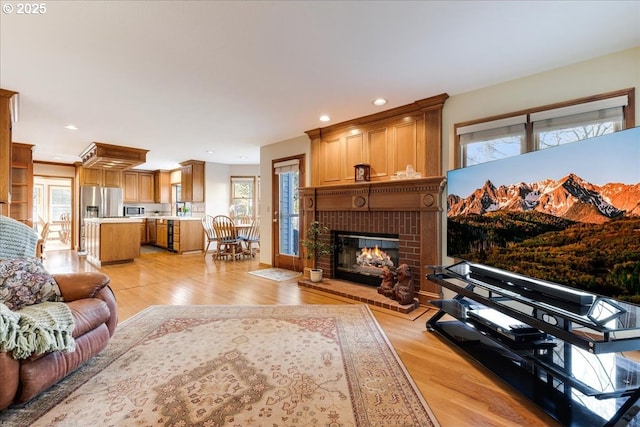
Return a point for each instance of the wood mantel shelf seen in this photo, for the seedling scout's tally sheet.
(422, 194)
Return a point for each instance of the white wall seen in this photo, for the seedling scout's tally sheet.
(268, 153)
(217, 184)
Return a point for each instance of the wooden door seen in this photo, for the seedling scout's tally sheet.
(288, 177)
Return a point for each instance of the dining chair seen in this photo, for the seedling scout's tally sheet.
(252, 237)
(229, 244)
(207, 224)
(65, 231)
(42, 240)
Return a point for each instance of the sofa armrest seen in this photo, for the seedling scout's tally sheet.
(75, 286)
(9, 378)
(106, 295)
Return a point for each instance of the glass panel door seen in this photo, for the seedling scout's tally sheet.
(286, 180)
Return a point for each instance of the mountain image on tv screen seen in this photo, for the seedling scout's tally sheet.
(568, 214)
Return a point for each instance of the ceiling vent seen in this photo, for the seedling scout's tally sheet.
(114, 157)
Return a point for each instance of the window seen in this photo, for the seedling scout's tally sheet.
(493, 140)
(537, 129)
(243, 197)
(59, 201)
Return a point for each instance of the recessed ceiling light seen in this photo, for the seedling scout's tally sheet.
(71, 127)
(209, 151)
(379, 101)
(324, 118)
(243, 158)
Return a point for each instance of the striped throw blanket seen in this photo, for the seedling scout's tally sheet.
(36, 329)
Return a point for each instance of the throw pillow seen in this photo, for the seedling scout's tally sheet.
(25, 281)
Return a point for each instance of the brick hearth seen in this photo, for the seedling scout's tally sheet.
(357, 292)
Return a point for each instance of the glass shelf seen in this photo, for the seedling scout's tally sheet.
(604, 325)
(574, 357)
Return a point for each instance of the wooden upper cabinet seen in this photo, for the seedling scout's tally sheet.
(98, 177)
(145, 187)
(138, 187)
(388, 141)
(192, 181)
(130, 191)
(379, 154)
(112, 178)
(162, 187)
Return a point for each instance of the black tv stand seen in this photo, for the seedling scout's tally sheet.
(560, 347)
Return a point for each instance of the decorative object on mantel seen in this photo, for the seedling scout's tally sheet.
(316, 247)
(408, 173)
(362, 172)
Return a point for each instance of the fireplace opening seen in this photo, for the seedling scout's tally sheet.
(360, 257)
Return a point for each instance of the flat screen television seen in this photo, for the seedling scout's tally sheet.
(568, 214)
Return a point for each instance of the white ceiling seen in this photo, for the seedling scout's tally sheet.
(180, 78)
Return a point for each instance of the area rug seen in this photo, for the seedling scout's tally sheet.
(277, 274)
(307, 365)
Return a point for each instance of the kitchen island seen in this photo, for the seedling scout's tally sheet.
(112, 240)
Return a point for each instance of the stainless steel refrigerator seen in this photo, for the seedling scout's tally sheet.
(98, 202)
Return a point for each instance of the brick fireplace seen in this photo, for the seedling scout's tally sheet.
(410, 209)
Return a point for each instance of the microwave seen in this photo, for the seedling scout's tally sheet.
(133, 210)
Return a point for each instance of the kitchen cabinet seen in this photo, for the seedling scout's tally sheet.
(192, 181)
(22, 183)
(130, 190)
(161, 233)
(145, 187)
(162, 186)
(143, 232)
(151, 231)
(138, 187)
(98, 177)
(188, 235)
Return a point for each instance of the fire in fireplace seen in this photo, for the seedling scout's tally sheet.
(360, 257)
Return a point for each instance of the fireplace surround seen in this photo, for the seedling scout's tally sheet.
(410, 209)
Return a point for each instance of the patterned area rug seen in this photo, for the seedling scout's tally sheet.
(277, 274)
(308, 365)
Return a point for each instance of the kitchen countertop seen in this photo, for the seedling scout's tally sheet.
(178, 218)
(125, 219)
(113, 220)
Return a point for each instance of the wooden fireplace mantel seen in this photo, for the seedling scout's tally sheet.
(410, 208)
(422, 194)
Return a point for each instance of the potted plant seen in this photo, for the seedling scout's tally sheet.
(316, 247)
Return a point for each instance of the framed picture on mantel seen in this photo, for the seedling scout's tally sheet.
(362, 172)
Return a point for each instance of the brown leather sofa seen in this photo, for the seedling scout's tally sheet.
(94, 310)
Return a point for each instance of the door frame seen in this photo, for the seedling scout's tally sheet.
(278, 260)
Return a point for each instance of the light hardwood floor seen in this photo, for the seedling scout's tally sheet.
(459, 391)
